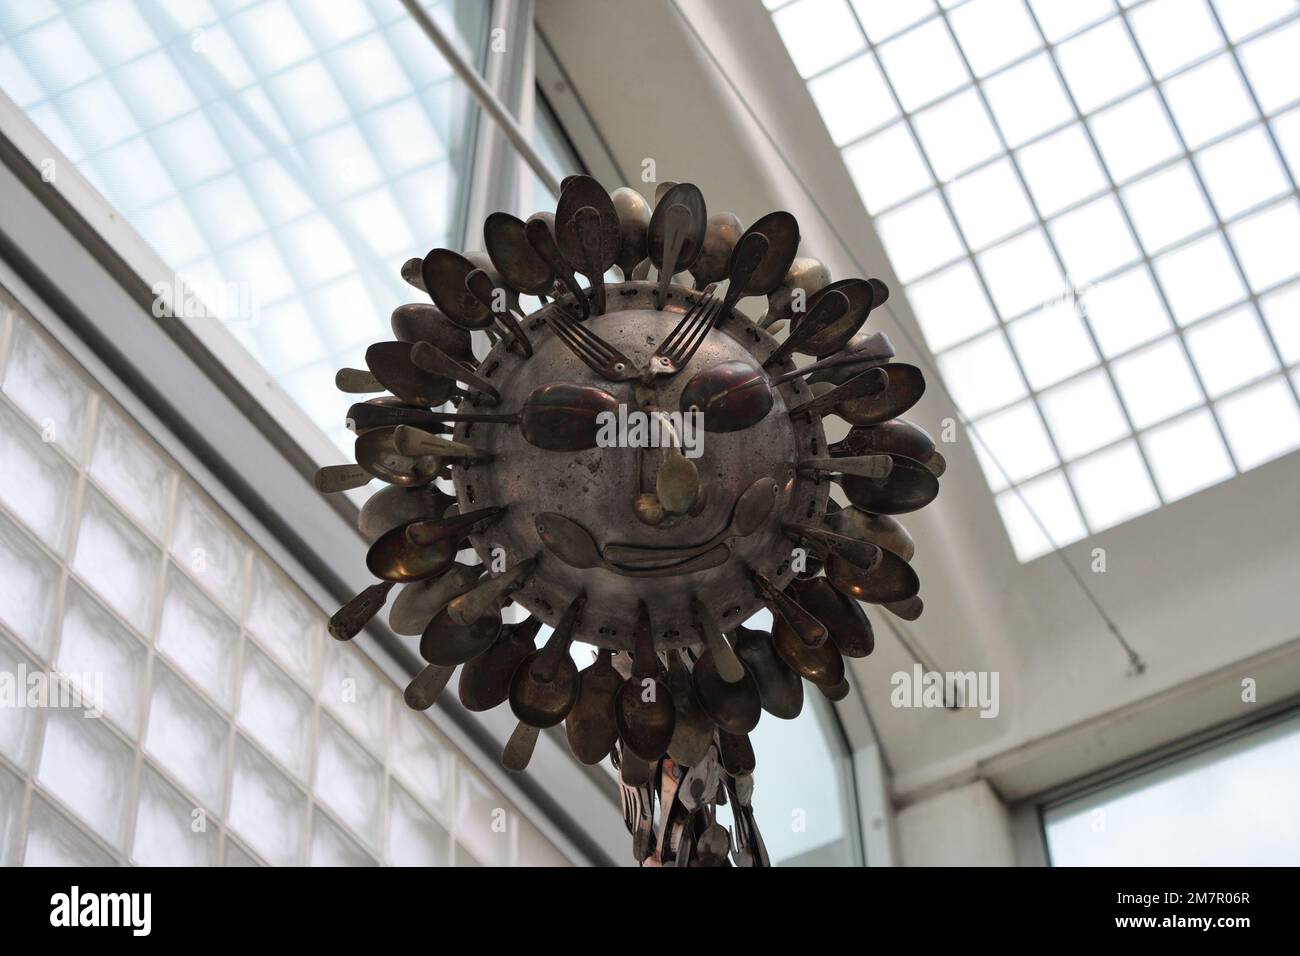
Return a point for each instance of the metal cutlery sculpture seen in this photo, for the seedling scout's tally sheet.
(656, 553)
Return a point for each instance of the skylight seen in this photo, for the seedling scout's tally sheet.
(1093, 209)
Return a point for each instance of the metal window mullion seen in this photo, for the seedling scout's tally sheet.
(1286, 169)
(979, 277)
(1223, 231)
(1143, 257)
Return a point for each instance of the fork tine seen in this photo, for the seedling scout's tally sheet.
(701, 331)
(685, 327)
(576, 345)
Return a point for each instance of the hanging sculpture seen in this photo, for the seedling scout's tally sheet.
(641, 467)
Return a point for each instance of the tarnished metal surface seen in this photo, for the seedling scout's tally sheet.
(596, 488)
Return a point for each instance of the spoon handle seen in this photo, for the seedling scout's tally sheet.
(519, 748)
(416, 442)
(348, 620)
(724, 658)
(547, 664)
(474, 603)
(357, 381)
(829, 309)
(810, 630)
(876, 349)
(334, 478)
(702, 562)
(423, 690)
(539, 237)
(586, 222)
(745, 259)
(433, 359)
(677, 221)
(864, 466)
(871, 382)
(479, 284)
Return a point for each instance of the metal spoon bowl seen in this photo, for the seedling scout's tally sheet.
(893, 580)
(395, 505)
(446, 643)
(420, 601)
(779, 689)
(390, 362)
(844, 618)
(735, 706)
(590, 726)
(444, 273)
(418, 322)
(908, 487)
(821, 664)
(517, 261)
(485, 679)
(732, 396)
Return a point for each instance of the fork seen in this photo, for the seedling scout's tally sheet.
(685, 338)
(599, 356)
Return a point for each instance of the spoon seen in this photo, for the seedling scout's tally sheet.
(418, 322)
(444, 273)
(587, 230)
(908, 487)
(779, 689)
(821, 664)
(424, 689)
(785, 608)
(864, 466)
(736, 753)
(485, 679)
(676, 234)
(421, 549)
(692, 728)
(418, 443)
(497, 302)
(873, 349)
(348, 620)
(780, 233)
(543, 689)
(411, 272)
(830, 338)
(894, 437)
(904, 389)
(433, 359)
(514, 257)
(804, 277)
(721, 233)
(378, 454)
(393, 364)
(733, 705)
(829, 310)
(836, 693)
(731, 396)
(644, 707)
(395, 505)
(590, 725)
(844, 618)
(724, 658)
(885, 531)
(387, 411)
(568, 540)
(420, 601)
(539, 233)
(633, 226)
(751, 510)
(908, 610)
(893, 580)
(857, 552)
(677, 484)
(446, 643)
(557, 417)
(473, 604)
(872, 382)
(332, 479)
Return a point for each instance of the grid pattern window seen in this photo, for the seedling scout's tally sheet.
(1093, 208)
(282, 157)
(230, 730)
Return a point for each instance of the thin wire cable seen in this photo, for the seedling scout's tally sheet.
(1135, 661)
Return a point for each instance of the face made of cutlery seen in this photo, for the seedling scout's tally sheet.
(642, 468)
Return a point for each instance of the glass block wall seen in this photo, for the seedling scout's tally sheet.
(233, 731)
(1093, 208)
(283, 157)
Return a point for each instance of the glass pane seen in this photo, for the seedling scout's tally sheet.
(414, 838)
(1156, 382)
(1282, 313)
(1053, 509)
(330, 846)
(349, 781)
(992, 33)
(818, 33)
(1199, 278)
(989, 204)
(1083, 414)
(919, 237)
(201, 640)
(1229, 805)
(169, 831)
(1059, 20)
(28, 580)
(1230, 350)
(956, 134)
(43, 386)
(89, 769)
(853, 99)
(194, 151)
(887, 168)
(1187, 455)
(1262, 423)
(1242, 172)
(982, 375)
(923, 65)
(11, 811)
(1266, 243)
(1022, 274)
(1093, 240)
(1125, 311)
(275, 712)
(130, 471)
(53, 841)
(1017, 442)
(1174, 33)
(1167, 206)
(1028, 100)
(17, 723)
(117, 561)
(422, 759)
(36, 483)
(1052, 344)
(1080, 56)
(1269, 62)
(1113, 486)
(883, 20)
(267, 810)
(188, 738)
(283, 622)
(209, 548)
(482, 819)
(103, 659)
(1134, 135)
(356, 693)
(1061, 169)
(1209, 100)
(950, 306)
